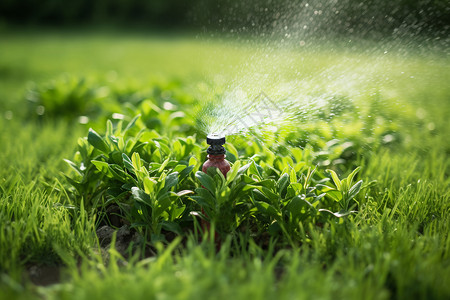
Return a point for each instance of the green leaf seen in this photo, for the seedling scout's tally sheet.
(185, 172)
(163, 203)
(74, 183)
(204, 198)
(269, 194)
(136, 161)
(256, 194)
(128, 163)
(232, 150)
(172, 227)
(131, 124)
(243, 169)
(299, 208)
(97, 141)
(335, 178)
(309, 177)
(233, 171)
(171, 180)
(236, 190)
(282, 184)
(206, 181)
(73, 166)
(164, 164)
(192, 161)
(141, 196)
(293, 176)
(339, 214)
(268, 183)
(109, 128)
(176, 212)
(164, 148)
(103, 167)
(249, 180)
(218, 177)
(184, 192)
(118, 128)
(267, 209)
(177, 148)
(149, 185)
(296, 187)
(114, 140)
(354, 190)
(335, 195)
(116, 157)
(255, 170)
(352, 175)
(118, 173)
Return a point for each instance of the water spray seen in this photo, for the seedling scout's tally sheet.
(216, 154)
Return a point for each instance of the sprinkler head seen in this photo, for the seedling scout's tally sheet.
(215, 139)
(216, 143)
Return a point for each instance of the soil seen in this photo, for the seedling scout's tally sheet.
(44, 275)
(125, 238)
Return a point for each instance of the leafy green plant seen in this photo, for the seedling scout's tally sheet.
(138, 170)
(102, 165)
(154, 204)
(344, 190)
(225, 201)
(152, 180)
(284, 204)
(66, 97)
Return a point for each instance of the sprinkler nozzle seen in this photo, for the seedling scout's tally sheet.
(216, 143)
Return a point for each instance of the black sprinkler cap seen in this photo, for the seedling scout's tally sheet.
(216, 143)
(215, 139)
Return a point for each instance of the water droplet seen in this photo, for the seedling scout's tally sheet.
(40, 110)
(169, 106)
(117, 116)
(389, 138)
(83, 119)
(421, 113)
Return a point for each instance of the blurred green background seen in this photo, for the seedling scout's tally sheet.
(382, 15)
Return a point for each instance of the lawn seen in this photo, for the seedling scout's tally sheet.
(289, 222)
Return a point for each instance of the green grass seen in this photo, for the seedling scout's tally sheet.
(395, 246)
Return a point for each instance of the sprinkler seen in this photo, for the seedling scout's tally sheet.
(216, 159)
(216, 154)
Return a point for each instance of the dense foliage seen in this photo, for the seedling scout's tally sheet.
(109, 147)
(153, 175)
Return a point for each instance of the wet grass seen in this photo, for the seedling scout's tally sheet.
(396, 246)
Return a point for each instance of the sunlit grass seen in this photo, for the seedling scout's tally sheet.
(396, 246)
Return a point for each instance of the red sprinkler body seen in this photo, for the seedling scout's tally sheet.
(216, 159)
(216, 154)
